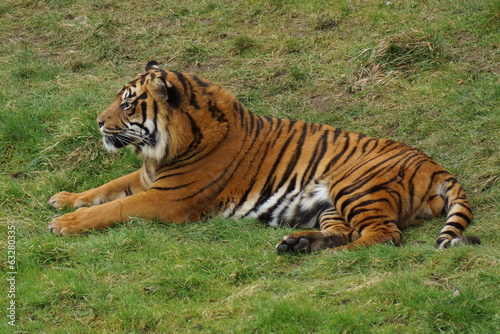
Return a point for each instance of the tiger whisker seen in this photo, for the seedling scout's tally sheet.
(129, 136)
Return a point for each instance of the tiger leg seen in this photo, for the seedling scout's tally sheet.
(147, 205)
(374, 232)
(334, 232)
(121, 187)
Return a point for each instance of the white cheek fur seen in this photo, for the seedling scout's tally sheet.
(109, 146)
(157, 152)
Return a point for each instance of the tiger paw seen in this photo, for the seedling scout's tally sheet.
(309, 241)
(68, 224)
(303, 242)
(293, 245)
(66, 199)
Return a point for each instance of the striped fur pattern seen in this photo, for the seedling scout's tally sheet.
(205, 154)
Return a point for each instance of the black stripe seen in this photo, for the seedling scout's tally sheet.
(441, 241)
(250, 125)
(367, 221)
(433, 176)
(260, 125)
(144, 109)
(171, 175)
(181, 79)
(141, 125)
(197, 134)
(456, 225)
(143, 96)
(411, 161)
(200, 82)
(155, 112)
(244, 197)
(295, 158)
(192, 96)
(239, 108)
(368, 142)
(266, 216)
(335, 159)
(467, 207)
(174, 188)
(269, 119)
(336, 133)
(216, 112)
(358, 208)
(461, 215)
(316, 158)
(450, 233)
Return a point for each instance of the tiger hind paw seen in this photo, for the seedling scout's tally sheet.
(293, 245)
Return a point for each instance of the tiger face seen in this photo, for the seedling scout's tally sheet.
(157, 117)
(124, 123)
(133, 119)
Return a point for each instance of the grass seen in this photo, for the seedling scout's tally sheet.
(425, 73)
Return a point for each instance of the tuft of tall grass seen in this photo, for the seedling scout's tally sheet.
(405, 53)
(242, 43)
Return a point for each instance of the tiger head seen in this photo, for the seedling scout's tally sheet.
(163, 115)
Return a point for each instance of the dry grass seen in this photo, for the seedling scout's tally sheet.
(405, 53)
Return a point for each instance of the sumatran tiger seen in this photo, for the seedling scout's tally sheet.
(205, 154)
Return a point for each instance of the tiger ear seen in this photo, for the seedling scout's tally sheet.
(162, 82)
(165, 90)
(160, 87)
(153, 64)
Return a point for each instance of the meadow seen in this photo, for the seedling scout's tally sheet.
(421, 72)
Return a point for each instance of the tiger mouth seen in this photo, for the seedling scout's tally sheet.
(116, 141)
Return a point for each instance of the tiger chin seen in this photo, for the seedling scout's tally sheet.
(205, 154)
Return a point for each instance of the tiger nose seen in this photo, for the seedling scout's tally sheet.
(100, 122)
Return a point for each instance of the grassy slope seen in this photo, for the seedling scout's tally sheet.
(61, 63)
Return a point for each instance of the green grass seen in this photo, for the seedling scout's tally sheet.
(421, 72)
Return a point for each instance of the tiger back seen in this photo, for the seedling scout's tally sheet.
(204, 154)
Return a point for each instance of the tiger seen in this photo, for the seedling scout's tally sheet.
(205, 155)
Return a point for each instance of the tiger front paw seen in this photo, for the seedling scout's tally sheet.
(67, 199)
(68, 224)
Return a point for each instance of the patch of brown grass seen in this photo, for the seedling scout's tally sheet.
(404, 53)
